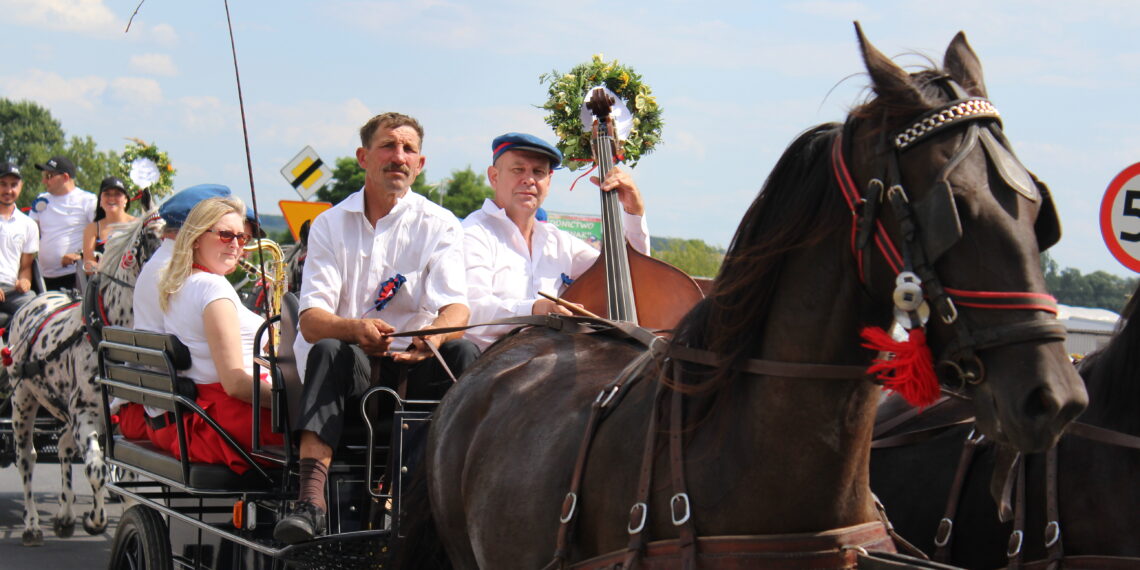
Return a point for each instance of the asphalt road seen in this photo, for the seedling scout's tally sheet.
(79, 551)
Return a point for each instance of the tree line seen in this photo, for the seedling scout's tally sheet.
(30, 135)
(1099, 289)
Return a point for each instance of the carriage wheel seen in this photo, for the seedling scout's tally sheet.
(141, 542)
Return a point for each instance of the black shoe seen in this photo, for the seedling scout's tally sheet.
(306, 522)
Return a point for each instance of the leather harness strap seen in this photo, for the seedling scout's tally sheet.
(639, 512)
(1054, 551)
(1052, 534)
(679, 506)
(831, 549)
(1017, 537)
(609, 397)
(944, 537)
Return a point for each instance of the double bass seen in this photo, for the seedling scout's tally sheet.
(625, 284)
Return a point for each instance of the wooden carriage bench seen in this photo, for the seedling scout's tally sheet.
(142, 367)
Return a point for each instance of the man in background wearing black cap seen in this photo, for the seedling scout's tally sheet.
(62, 212)
(510, 257)
(19, 242)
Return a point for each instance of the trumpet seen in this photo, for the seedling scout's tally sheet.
(275, 277)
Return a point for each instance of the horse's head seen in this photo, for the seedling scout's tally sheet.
(970, 221)
(129, 248)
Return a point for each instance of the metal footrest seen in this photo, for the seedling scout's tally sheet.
(348, 551)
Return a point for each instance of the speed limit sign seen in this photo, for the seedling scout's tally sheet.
(1120, 217)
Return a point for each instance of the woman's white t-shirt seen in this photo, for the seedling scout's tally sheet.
(184, 319)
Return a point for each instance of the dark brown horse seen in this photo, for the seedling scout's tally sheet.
(1098, 499)
(772, 454)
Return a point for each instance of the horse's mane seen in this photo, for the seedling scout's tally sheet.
(129, 235)
(799, 206)
(1112, 377)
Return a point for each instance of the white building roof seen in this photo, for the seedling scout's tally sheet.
(1087, 319)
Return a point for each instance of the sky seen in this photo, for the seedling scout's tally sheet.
(736, 80)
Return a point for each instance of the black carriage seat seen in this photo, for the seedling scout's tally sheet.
(287, 365)
(355, 430)
(141, 367)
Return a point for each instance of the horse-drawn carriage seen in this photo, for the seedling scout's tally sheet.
(756, 415)
(207, 516)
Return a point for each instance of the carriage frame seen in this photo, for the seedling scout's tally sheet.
(206, 516)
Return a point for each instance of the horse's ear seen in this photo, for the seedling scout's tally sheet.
(964, 66)
(890, 81)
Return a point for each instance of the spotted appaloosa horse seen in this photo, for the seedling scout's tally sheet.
(53, 365)
(756, 440)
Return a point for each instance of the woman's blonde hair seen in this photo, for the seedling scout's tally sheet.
(201, 218)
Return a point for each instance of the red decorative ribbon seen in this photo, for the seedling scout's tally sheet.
(909, 367)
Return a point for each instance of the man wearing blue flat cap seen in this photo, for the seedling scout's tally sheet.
(510, 257)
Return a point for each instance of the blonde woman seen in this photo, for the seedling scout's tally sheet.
(203, 310)
(111, 212)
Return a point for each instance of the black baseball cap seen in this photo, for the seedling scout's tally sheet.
(60, 164)
(113, 182)
(9, 169)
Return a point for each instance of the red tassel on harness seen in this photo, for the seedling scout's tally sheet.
(910, 372)
(6, 356)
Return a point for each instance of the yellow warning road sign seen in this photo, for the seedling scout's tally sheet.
(297, 213)
(307, 173)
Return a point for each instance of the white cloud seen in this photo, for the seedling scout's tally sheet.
(154, 64)
(164, 34)
(334, 127)
(135, 91)
(64, 15)
(203, 114)
(51, 89)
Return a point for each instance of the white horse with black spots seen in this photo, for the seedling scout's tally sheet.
(53, 364)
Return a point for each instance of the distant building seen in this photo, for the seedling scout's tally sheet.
(1089, 329)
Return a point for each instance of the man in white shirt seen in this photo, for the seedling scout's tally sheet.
(62, 212)
(19, 242)
(509, 256)
(383, 260)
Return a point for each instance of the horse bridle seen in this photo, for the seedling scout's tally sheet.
(930, 226)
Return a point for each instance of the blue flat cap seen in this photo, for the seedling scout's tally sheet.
(523, 141)
(175, 209)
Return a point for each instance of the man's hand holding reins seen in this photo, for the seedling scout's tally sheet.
(372, 336)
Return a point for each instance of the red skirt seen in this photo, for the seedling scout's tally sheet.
(165, 437)
(132, 421)
(234, 416)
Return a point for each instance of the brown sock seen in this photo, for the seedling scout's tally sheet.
(313, 477)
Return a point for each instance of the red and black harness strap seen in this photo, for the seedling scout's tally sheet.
(29, 367)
